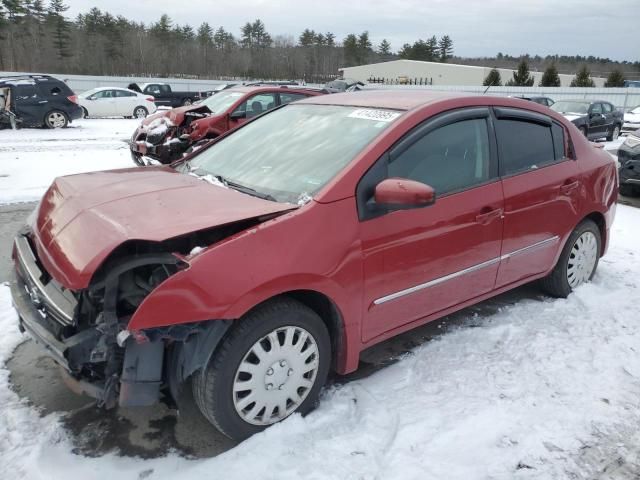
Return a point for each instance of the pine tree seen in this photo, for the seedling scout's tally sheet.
(307, 38)
(583, 78)
(60, 28)
(432, 46)
(364, 47)
(493, 79)
(446, 48)
(521, 77)
(615, 79)
(205, 35)
(550, 77)
(350, 47)
(384, 49)
(330, 39)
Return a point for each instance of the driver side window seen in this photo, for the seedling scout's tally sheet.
(450, 158)
(596, 108)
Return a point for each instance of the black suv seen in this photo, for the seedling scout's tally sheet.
(36, 101)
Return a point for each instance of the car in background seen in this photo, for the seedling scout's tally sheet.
(116, 102)
(40, 100)
(252, 268)
(594, 118)
(343, 85)
(546, 101)
(629, 160)
(278, 83)
(631, 120)
(167, 135)
(632, 83)
(164, 96)
(219, 88)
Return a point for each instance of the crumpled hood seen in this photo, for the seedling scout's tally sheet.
(175, 116)
(83, 218)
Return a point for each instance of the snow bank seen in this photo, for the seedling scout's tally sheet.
(542, 389)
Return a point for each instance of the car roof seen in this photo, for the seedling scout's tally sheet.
(272, 88)
(579, 100)
(390, 99)
(97, 89)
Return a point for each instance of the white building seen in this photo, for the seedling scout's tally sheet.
(435, 73)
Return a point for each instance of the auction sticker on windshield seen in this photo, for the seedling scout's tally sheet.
(373, 114)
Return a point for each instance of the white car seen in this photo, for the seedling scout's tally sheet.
(116, 102)
(632, 120)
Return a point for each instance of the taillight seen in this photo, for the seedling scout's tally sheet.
(151, 99)
(73, 98)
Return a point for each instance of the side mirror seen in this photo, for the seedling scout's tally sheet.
(402, 194)
(237, 115)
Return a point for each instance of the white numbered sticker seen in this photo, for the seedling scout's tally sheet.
(375, 115)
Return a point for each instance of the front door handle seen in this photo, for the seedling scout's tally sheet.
(487, 215)
(569, 187)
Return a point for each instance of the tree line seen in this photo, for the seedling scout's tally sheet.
(550, 78)
(39, 37)
(35, 36)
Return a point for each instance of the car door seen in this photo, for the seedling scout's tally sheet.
(28, 104)
(597, 121)
(420, 261)
(101, 104)
(252, 107)
(541, 192)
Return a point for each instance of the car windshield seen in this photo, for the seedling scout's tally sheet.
(580, 108)
(220, 102)
(635, 109)
(291, 153)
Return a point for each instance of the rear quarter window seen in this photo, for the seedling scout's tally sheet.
(524, 146)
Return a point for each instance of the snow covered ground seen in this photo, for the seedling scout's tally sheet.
(544, 389)
(31, 158)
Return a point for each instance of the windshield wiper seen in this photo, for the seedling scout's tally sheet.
(236, 186)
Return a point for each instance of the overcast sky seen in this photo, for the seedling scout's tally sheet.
(606, 28)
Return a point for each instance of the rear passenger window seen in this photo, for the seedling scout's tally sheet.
(450, 158)
(23, 92)
(122, 93)
(524, 146)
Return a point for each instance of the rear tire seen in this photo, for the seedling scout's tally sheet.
(615, 133)
(186, 102)
(56, 119)
(140, 112)
(85, 113)
(578, 261)
(246, 386)
(583, 130)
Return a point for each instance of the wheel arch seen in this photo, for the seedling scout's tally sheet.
(599, 220)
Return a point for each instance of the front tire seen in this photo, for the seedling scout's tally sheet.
(272, 363)
(578, 261)
(186, 102)
(583, 130)
(56, 119)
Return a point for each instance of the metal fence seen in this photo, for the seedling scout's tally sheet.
(622, 98)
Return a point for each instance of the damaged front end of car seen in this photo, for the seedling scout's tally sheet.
(87, 331)
(167, 138)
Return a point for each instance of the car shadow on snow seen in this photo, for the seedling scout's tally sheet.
(151, 432)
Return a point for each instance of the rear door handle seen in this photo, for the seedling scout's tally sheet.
(569, 186)
(487, 215)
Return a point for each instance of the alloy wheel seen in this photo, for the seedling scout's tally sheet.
(140, 112)
(276, 375)
(56, 120)
(582, 259)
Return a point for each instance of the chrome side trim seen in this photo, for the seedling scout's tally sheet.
(530, 247)
(457, 274)
(436, 281)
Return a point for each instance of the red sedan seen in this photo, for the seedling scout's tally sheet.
(283, 249)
